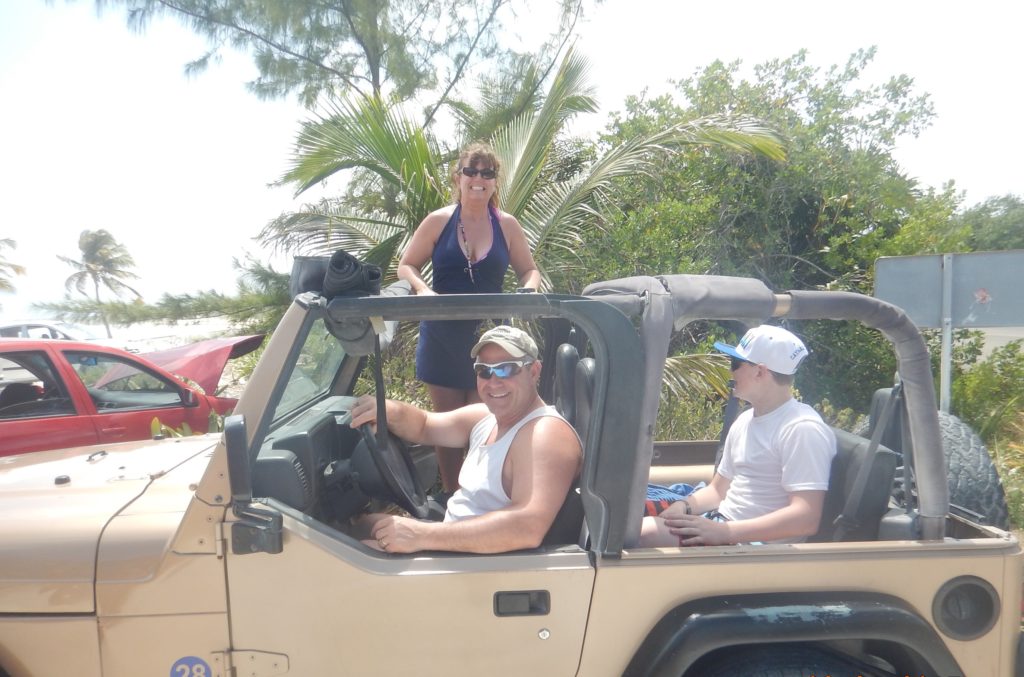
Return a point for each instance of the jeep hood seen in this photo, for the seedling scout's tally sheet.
(56, 505)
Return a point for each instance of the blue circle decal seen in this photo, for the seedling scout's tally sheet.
(191, 666)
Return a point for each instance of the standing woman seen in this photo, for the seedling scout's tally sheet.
(470, 245)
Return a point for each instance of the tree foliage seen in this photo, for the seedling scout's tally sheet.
(990, 395)
(8, 269)
(995, 224)
(257, 306)
(371, 48)
(816, 221)
(105, 263)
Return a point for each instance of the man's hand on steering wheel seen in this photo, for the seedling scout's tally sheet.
(364, 411)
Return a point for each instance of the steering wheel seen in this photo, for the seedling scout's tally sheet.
(395, 468)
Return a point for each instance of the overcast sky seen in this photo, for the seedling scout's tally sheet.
(99, 127)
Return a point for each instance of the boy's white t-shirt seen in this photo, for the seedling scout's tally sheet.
(767, 457)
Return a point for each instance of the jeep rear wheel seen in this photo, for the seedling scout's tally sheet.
(779, 661)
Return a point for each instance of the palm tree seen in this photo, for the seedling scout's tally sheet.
(104, 261)
(8, 269)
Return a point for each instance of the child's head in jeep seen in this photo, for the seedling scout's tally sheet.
(778, 351)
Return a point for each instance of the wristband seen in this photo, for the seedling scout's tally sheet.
(689, 510)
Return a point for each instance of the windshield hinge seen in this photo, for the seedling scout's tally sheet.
(252, 663)
(219, 540)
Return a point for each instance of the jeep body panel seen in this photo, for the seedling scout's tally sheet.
(63, 502)
(632, 594)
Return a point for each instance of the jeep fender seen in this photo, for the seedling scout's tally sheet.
(696, 628)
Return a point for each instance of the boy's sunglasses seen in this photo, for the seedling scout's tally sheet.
(501, 370)
(484, 173)
(735, 363)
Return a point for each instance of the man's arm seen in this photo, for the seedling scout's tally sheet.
(445, 429)
(543, 460)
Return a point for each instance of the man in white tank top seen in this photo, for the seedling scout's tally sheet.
(771, 483)
(523, 456)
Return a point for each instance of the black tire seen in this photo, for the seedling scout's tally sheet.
(779, 661)
(973, 481)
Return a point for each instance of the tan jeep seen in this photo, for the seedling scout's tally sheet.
(204, 556)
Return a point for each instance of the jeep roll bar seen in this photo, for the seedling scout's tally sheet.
(670, 302)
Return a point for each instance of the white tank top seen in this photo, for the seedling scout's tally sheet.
(480, 489)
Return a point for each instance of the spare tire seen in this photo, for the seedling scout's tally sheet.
(973, 481)
(974, 484)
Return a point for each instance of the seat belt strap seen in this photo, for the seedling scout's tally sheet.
(847, 520)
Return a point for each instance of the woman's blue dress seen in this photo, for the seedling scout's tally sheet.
(442, 354)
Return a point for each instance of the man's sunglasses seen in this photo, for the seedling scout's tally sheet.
(501, 370)
(484, 173)
(735, 363)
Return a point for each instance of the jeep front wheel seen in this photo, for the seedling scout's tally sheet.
(777, 661)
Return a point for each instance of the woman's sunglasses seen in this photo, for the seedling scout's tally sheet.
(484, 173)
(735, 363)
(501, 370)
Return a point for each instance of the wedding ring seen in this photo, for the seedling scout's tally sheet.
(383, 545)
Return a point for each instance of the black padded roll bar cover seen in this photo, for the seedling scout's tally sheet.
(914, 366)
(694, 297)
(700, 297)
(356, 333)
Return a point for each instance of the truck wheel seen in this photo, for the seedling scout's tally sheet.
(778, 661)
(973, 481)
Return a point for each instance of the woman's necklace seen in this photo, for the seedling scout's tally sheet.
(468, 251)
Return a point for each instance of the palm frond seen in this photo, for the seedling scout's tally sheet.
(700, 374)
(322, 228)
(525, 143)
(366, 134)
(739, 133)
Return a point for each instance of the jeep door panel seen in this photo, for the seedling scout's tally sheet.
(335, 607)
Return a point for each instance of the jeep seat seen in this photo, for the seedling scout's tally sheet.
(574, 388)
(863, 520)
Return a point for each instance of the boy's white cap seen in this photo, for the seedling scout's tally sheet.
(774, 347)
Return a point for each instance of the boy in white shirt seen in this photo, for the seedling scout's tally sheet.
(770, 485)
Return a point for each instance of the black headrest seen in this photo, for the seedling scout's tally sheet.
(892, 436)
(566, 358)
(584, 397)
